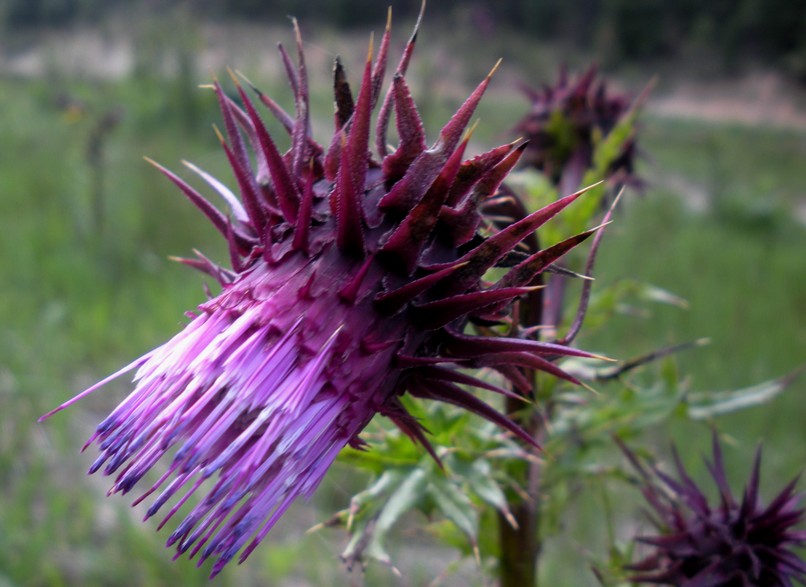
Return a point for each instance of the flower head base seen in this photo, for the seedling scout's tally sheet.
(353, 277)
(565, 121)
(732, 544)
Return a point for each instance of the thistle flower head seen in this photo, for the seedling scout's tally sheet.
(728, 544)
(563, 124)
(353, 275)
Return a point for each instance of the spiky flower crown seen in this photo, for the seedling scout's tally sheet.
(353, 277)
(729, 544)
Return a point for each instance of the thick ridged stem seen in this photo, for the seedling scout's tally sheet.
(520, 545)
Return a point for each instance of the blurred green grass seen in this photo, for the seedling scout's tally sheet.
(79, 300)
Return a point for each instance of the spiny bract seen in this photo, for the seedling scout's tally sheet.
(729, 544)
(353, 277)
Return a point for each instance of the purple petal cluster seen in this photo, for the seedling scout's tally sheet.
(563, 122)
(354, 271)
(728, 544)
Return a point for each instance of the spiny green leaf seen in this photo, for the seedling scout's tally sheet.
(408, 494)
(713, 403)
(382, 485)
(455, 506)
(375, 513)
(483, 485)
(654, 293)
(377, 461)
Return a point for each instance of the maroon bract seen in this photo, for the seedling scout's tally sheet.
(729, 544)
(353, 277)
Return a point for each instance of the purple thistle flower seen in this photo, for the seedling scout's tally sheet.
(353, 277)
(732, 544)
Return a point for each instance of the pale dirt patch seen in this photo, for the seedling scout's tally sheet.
(758, 99)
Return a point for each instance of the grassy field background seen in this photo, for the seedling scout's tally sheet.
(87, 286)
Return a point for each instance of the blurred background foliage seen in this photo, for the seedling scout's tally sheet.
(87, 228)
(769, 31)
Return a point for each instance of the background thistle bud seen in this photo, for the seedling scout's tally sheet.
(564, 124)
(353, 275)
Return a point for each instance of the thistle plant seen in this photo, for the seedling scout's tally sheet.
(730, 543)
(353, 275)
(565, 123)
